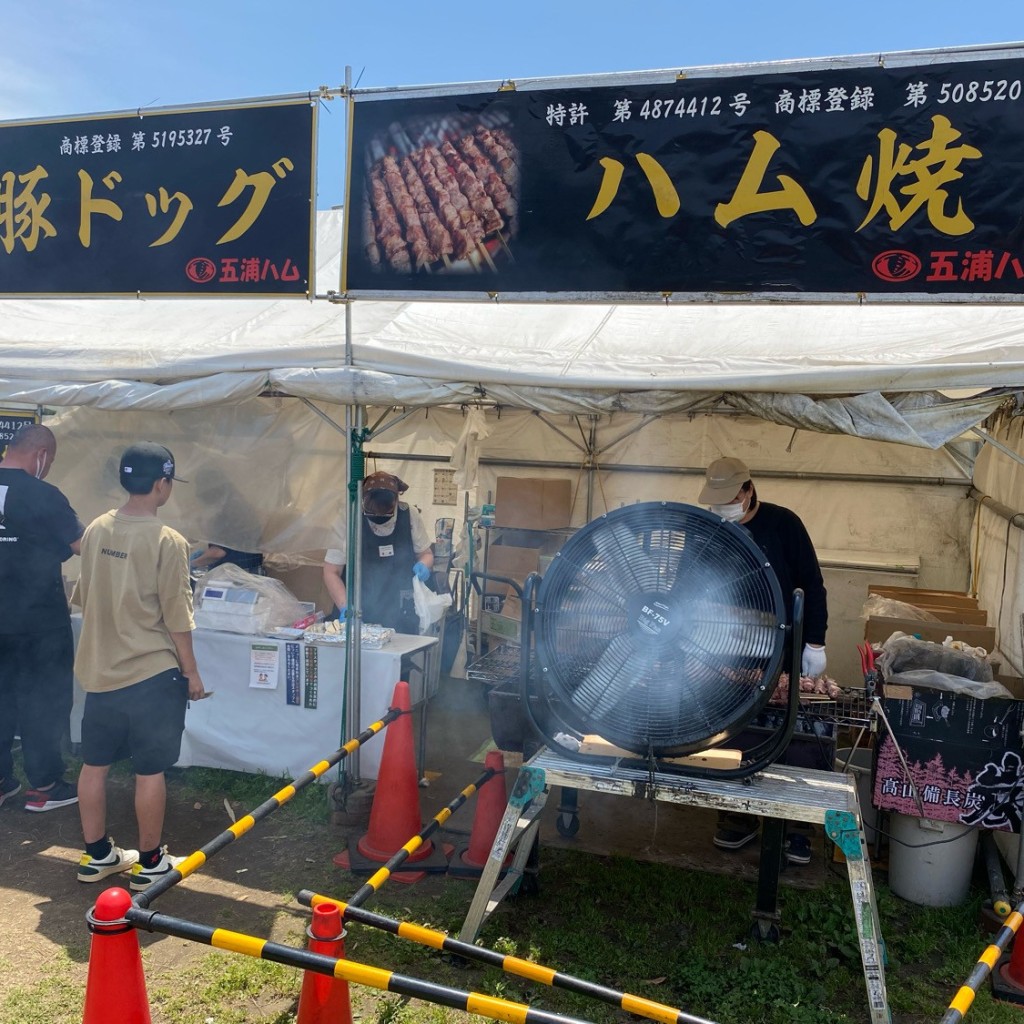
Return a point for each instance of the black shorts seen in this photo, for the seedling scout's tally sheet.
(143, 721)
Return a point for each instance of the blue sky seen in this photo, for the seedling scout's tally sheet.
(67, 57)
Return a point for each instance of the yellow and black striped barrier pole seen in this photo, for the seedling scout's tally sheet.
(983, 968)
(196, 860)
(509, 964)
(379, 877)
(346, 970)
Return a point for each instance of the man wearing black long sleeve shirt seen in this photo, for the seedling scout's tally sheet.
(781, 535)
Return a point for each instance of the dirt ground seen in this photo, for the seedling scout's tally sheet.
(250, 885)
(245, 888)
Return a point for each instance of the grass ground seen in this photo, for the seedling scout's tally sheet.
(671, 935)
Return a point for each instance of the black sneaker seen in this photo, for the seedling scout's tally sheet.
(60, 794)
(797, 849)
(8, 788)
(735, 839)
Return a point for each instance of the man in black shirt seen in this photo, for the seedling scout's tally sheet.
(781, 535)
(38, 532)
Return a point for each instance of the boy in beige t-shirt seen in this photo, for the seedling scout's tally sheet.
(135, 662)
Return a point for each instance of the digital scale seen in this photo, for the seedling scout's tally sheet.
(231, 609)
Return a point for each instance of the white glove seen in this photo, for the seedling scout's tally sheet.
(813, 662)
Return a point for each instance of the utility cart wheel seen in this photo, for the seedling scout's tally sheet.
(568, 821)
(765, 931)
(567, 824)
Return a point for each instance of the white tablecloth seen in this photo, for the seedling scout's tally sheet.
(250, 729)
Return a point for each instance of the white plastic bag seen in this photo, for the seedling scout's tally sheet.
(429, 606)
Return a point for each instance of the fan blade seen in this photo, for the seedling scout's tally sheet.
(608, 680)
(620, 547)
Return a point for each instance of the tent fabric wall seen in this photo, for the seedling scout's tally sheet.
(278, 460)
(998, 545)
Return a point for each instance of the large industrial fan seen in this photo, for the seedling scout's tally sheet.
(660, 628)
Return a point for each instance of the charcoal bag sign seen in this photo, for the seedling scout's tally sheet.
(964, 757)
(213, 201)
(829, 181)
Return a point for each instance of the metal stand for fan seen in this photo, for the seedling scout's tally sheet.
(758, 786)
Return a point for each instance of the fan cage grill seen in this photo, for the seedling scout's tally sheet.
(659, 627)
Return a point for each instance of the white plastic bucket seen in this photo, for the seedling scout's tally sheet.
(931, 862)
(856, 761)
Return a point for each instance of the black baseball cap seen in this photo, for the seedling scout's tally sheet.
(143, 464)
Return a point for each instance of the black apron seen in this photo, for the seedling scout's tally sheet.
(386, 584)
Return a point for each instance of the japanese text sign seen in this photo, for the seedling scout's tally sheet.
(213, 201)
(11, 421)
(829, 180)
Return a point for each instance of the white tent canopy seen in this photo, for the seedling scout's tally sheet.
(190, 372)
(869, 370)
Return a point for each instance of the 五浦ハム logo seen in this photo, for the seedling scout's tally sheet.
(202, 270)
(896, 265)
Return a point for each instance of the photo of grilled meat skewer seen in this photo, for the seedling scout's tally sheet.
(444, 203)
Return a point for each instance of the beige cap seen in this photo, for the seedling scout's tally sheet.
(723, 481)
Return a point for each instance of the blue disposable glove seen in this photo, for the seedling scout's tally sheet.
(421, 572)
(813, 661)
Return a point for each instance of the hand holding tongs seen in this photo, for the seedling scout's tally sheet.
(870, 669)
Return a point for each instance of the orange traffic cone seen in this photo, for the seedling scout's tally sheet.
(115, 988)
(491, 800)
(1008, 977)
(395, 814)
(325, 1000)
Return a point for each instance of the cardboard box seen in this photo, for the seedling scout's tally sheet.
(512, 562)
(533, 504)
(879, 628)
(507, 621)
(1014, 684)
(498, 624)
(926, 598)
(941, 608)
(964, 757)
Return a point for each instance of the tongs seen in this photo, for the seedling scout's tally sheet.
(868, 666)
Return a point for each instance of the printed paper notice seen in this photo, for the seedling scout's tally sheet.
(264, 661)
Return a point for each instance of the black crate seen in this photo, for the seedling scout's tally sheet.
(511, 726)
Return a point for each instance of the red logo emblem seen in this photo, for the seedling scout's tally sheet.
(201, 270)
(896, 265)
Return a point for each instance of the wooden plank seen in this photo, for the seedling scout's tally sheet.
(724, 758)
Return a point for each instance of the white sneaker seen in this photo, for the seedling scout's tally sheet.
(91, 869)
(143, 878)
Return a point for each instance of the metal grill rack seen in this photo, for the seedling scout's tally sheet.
(851, 709)
(500, 664)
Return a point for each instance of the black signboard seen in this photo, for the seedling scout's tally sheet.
(827, 181)
(11, 421)
(213, 201)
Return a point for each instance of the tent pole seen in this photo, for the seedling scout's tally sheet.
(591, 465)
(355, 418)
(1013, 517)
(989, 439)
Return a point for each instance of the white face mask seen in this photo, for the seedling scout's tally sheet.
(733, 512)
(40, 466)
